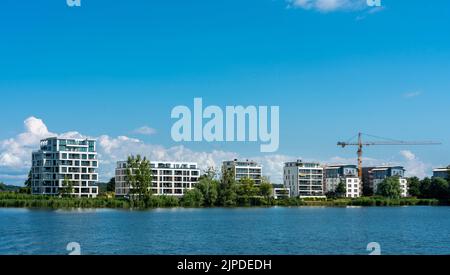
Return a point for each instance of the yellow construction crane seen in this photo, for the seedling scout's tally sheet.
(360, 143)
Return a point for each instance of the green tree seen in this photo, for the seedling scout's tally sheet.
(425, 186)
(27, 185)
(390, 188)
(67, 188)
(210, 173)
(209, 189)
(414, 186)
(246, 188)
(341, 189)
(111, 185)
(139, 178)
(227, 190)
(439, 189)
(266, 188)
(193, 198)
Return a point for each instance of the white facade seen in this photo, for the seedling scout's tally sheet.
(346, 174)
(281, 193)
(353, 187)
(74, 160)
(304, 179)
(243, 170)
(169, 178)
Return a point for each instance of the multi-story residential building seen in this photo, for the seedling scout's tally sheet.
(346, 174)
(243, 170)
(441, 173)
(60, 160)
(304, 179)
(377, 175)
(169, 178)
(281, 193)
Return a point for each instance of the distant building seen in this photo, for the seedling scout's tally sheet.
(243, 170)
(281, 193)
(377, 175)
(304, 179)
(346, 174)
(169, 178)
(74, 160)
(441, 173)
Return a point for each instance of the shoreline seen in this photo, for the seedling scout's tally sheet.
(11, 200)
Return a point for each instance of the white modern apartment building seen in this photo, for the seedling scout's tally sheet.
(353, 187)
(281, 193)
(243, 170)
(304, 179)
(379, 174)
(346, 174)
(169, 178)
(74, 160)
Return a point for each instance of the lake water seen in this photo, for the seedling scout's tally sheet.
(261, 231)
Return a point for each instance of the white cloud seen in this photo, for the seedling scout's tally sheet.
(414, 166)
(411, 95)
(329, 5)
(145, 130)
(16, 152)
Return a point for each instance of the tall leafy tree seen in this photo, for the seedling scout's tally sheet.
(390, 188)
(210, 173)
(27, 183)
(193, 198)
(67, 188)
(439, 188)
(247, 188)
(111, 185)
(227, 189)
(209, 189)
(139, 178)
(266, 188)
(425, 186)
(341, 189)
(414, 187)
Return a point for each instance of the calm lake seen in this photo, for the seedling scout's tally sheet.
(261, 231)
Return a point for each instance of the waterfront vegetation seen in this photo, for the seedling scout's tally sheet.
(225, 192)
(9, 199)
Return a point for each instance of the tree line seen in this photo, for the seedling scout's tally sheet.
(208, 192)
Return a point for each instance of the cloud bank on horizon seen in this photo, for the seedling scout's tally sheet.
(15, 155)
(329, 5)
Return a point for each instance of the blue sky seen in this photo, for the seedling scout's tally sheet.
(109, 67)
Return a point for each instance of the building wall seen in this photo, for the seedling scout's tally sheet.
(243, 170)
(353, 187)
(441, 173)
(304, 179)
(377, 175)
(346, 174)
(281, 193)
(60, 159)
(169, 178)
